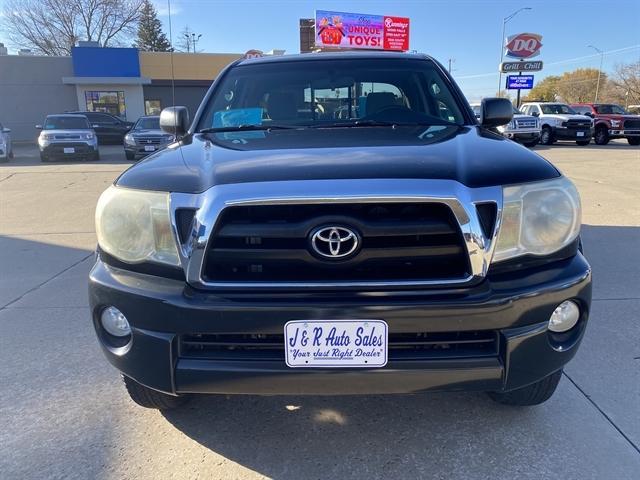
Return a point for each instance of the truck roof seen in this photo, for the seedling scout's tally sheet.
(323, 56)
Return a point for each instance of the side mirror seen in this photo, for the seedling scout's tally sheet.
(535, 114)
(175, 120)
(495, 112)
(589, 114)
(39, 127)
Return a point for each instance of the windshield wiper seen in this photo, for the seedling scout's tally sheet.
(244, 128)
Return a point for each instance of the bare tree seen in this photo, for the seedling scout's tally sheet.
(627, 80)
(53, 27)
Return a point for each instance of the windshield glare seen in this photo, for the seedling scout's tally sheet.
(557, 108)
(610, 109)
(66, 123)
(148, 123)
(316, 93)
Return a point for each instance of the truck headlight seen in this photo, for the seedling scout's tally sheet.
(615, 123)
(538, 218)
(135, 226)
(129, 140)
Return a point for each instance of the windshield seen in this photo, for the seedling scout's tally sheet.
(610, 109)
(147, 123)
(66, 123)
(338, 92)
(557, 108)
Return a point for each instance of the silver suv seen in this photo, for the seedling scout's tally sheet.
(558, 121)
(67, 136)
(145, 138)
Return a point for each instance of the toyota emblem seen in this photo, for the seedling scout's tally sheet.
(334, 242)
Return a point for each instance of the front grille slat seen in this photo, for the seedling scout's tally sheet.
(402, 346)
(398, 242)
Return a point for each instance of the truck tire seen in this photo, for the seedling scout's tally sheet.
(633, 140)
(601, 137)
(546, 136)
(149, 398)
(533, 394)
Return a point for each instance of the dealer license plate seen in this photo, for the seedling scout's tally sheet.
(69, 150)
(336, 343)
(579, 134)
(149, 148)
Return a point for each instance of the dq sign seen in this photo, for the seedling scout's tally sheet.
(523, 45)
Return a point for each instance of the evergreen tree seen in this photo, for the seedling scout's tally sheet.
(151, 38)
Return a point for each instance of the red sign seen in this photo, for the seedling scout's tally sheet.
(396, 33)
(524, 45)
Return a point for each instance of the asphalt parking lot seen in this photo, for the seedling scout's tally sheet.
(65, 414)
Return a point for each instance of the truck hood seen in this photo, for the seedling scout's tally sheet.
(470, 155)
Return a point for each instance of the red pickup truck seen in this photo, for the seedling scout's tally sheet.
(611, 121)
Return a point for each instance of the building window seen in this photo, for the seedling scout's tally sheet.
(152, 107)
(109, 102)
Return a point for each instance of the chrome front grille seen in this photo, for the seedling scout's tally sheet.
(150, 140)
(525, 124)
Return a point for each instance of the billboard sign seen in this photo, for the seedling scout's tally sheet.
(357, 30)
(519, 82)
(533, 66)
(523, 45)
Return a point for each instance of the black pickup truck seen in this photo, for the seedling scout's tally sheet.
(339, 223)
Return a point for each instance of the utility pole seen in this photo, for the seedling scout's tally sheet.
(451, 60)
(504, 24)
(195, 39)
(186, 35)
(599, 70)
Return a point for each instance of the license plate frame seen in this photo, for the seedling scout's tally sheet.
(357, 343)
(149, 148)
(68, 150)
(579, 134)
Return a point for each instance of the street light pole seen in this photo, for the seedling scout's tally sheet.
(504, 24)
(599, 70)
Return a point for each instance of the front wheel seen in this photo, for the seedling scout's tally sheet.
(633, 140)
(601, 136)
(149, 398)
(582, 143)
(533, 394)
(546, 137)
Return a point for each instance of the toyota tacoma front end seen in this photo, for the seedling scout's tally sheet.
(339, 224)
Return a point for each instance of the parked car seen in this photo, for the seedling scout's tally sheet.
(611, 121)
(67, 136)
(559, 121)
(403, 249)
(145, 138)
(6, 149)
(522, 128)
(108, 128)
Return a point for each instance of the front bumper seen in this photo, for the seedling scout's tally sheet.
(522, 135)
(619, 133)
(563, 133)
(140, 151)
(515, 305)
(82, 150)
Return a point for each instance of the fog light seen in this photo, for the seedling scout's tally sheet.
(114, 322)
(564, 317)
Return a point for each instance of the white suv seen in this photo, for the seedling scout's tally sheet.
(560, 122)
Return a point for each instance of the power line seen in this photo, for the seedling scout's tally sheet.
(559, 62)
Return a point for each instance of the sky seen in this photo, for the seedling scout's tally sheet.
(467, 31)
